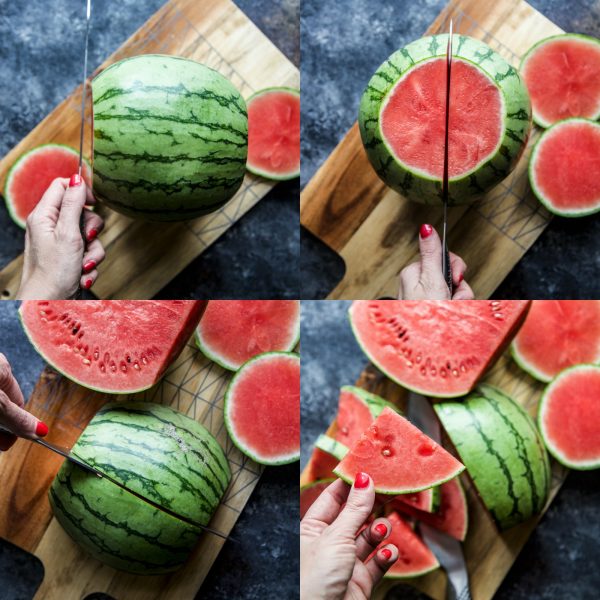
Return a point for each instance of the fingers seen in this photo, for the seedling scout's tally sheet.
(93, 224)
(73, 202)
(409, 280)
(90, 199)
(381, 562)
(88, 279)
(327, 506)
(430, 247)
(358, 506)
(93, 256)
(459, 268)
(18, 420)
(463, 292)
(8, 383)
(371, 536)
(50, 203)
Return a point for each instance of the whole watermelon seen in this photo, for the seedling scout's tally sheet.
(170, 138)
(161, 455)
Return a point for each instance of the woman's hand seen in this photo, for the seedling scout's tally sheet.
(12, 414)
(56, 261)
(332, 555)
(424, 280)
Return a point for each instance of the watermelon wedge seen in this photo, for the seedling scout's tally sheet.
(562, 74)
(274, 133)
(331, 446)
(320, 465)
(426, 501)
(310, 492)
(33, 172)
(232, 332)
(262, 408)
(436, 348)
(569, 417)
(399, 457)
(563, 169)
(558, 334)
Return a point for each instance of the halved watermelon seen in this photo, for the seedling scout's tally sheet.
(33, 172)
(562, 74)
(232, 332)
(262, 408)
(452, 517)
(399, 457)
(569, 417)
(436, 348)
(113, 346)
(558, 334)
(274, 133)
(310, 492)
(563, 170)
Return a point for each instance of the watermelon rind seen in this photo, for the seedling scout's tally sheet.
(262, 172)
(465, 188)
(331, 446)
(550, 445)
(375, 403)
(249, 452)
(537, 119)
(573, 213)
(15, 167)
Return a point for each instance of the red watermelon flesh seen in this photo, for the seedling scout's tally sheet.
(564, 170)
(558, 334)
(569, 417)
(114, 346)
(309, 493)
(423, 501)
(452, 516)
(413, 118)
(33, 172)
(436, 348)
(399, 457)
(232, 332)
(274, 133)
(321, 465)
(562, 74)
(262, 408)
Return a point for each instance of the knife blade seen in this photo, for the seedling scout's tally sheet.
(88, 19)
(446, 267)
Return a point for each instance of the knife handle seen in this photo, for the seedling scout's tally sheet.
(447, 269)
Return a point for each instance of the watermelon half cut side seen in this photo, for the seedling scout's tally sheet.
(112, 346)
(563, 170)
(437, 349)
(310, 492)
(569, 417)
(274, 133)
(398, 457)
(262, 408)
(558, 334)
(33, 172)
(562, 74)
(232, 332)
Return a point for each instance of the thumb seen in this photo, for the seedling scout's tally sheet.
(18, 421)
(359, 506)
(72, 203)
(430, 247)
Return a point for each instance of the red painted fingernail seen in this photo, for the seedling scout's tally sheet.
(386, 553)
(41, 429)
(92, 234)
(361, 481)
(88, 284)
(89, 266)
(75, 180)
(426, 230)
(381, 529)
(460, 278)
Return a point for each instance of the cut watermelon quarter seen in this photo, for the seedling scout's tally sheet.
(562, 74)
(569, 417)
(232, 332)
(33, 172)
(274, 133)
(563, 169)
(398, 457)
(436, 348)
(113, 346)
(558, 334)
(262, 408)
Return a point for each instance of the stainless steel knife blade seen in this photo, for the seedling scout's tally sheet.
(84, 84)
(446, 266)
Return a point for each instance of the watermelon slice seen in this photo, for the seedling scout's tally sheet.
(399, 458)
(232, 332)
(569, 417)
(426, 501)
(435, 348)
(274, 133)
(414, 557)
(331, 446)
(558, 334)
(320, 466)
(562, 74)
(33, 172)
(452, 516)
(310, 492)
(262, 408)
(113, 346)
(563, 169)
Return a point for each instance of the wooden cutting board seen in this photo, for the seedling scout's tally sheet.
(193, 385)
(375, 230)
(144, 257)
(489, 554)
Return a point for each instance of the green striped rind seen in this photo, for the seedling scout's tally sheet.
(170, 138)
(503, 451)
(553, 130)
(375, 403)
(331, 446)
(516, 118)
(315, 483)
(574, 36)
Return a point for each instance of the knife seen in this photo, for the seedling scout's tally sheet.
(446, 549)
(446, 267)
